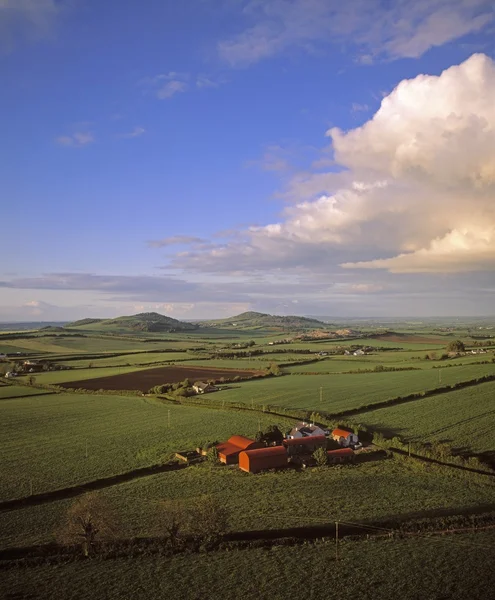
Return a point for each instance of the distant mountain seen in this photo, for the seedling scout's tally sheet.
(257, 320)
(152, 322)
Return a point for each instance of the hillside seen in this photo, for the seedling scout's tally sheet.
(253, 320)
(151, 322)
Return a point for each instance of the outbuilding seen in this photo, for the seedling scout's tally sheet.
(345, 438)
(254, 461)
(305, 445)
(228, 452)
(340, 455)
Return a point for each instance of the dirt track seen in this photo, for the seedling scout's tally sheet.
(144, 380)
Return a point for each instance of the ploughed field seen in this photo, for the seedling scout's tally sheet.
(146, 379)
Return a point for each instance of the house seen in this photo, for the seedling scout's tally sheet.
(341, 455)
(200, 387)
(10, 374)
(359, 352)
(228, 452)
(305, 445)
(304, 429)
(345, 438)
(254, 461)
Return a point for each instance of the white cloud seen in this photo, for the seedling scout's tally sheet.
(399, 29)
(79, 138)
(136, 132)
(417, 193)
(167, 85)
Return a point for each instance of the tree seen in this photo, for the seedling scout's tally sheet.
(173, 521)
(274, 369)
(32, 380)
(320, 457)
(88, 519)
(209, 518)
(456, 346)
(212, 455)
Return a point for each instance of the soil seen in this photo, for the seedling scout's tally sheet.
(145, 380)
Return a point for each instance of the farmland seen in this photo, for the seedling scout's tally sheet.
(464, 419)
(390, 568)
(144, 380)
(45, 438)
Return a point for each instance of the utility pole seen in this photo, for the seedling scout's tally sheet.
(439, 375)
(321, 394)
(259, 423)
(336, 540)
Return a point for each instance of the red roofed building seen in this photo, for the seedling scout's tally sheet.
(228, 452)
(345, 438)
(305, 445)
(340, 455)
(254, 461)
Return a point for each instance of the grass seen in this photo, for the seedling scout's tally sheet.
(368, 492)
(55, 377)
(344, 392)
(14, 391)
(140, 358)
(44, 438)
(453, 567)
(464, 418)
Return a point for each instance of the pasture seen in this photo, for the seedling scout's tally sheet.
(45, 438)
(457, 565)
(16, 391)
(463, 418)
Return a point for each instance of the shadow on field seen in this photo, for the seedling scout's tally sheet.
(78, 490)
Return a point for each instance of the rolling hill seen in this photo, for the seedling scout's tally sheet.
(151, 322)
(257, 320)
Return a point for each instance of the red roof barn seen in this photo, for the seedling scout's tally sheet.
(340, 455)
(228, 452)
(305, 445)
(253, 461)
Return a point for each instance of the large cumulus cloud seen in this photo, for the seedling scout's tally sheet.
(417, 193)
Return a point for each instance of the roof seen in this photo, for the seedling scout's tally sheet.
(234, 444)
(305, 440)
(201, 384)
(340, 451)
(342, 432)
(263, 452)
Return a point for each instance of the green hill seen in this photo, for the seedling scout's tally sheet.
(253, 320)
(151, 322)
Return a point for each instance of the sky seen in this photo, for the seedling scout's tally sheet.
(203, 158)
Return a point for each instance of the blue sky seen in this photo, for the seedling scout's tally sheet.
(205, 157)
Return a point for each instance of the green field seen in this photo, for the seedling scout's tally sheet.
(344, 392)
(370, 491)
(139, 358)
(14, 391)
(385, 569)
(463, 418)
(44, 438)
(55, 377)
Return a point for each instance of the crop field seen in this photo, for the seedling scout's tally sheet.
(45, 438)
(463, 418)
(144, 380)
(344, 392)
(59, 377)
(379, 490)
(390, 568)
(15, 391)
(139, 358)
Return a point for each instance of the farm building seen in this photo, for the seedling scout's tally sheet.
(254, 461)
(200, 387)
(305, 445)
(345, 438)
(306, 430)
(228, 452)
(341, 455)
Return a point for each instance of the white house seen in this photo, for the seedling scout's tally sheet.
(303, 429)
(10, 374)
(359, 352)
(345, 438)
(200, 387)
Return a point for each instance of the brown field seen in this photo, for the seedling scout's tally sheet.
(144, 380)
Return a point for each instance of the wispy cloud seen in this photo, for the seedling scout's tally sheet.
(167, 85)
(136, 132)
(356, 107)
(77, 139)
(377, 30)
(175, 240)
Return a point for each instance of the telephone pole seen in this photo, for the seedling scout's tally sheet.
(321, 394)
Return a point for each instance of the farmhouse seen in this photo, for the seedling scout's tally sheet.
(228, 452)
(341, 455)
(200, 387)
(254, 461)
(303, 429)
(305, 445)
(345, 438)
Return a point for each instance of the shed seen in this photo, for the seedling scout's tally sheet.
(228, 452)
(341, 455)
(345, 438)
(254, 461)
(305, 445)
